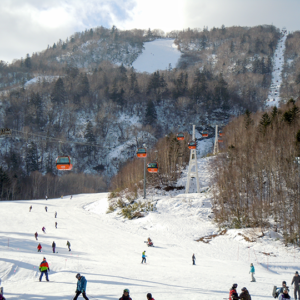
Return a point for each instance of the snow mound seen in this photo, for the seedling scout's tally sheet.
(157, 55)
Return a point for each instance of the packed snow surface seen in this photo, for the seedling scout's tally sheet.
(157, 55)
(278, 60)
(107, 249)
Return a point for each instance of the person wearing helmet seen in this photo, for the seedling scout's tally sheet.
(144, 257)
(44, 268)
(149, 296)
(125, 295)
(233, 295)
(81, 287)
(244, 295)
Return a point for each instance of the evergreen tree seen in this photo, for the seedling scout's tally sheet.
(27, 62)
(231, 47)
(150, 116)
(90, 138)
(221, 94)
(5, 183)
(32, 158)
(264, 123)
(247, 119)
(59, 94)
(84, 85)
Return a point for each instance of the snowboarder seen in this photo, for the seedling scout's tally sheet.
(296, 282)
(39, 247)
(30, 208)
(53, 246)
(143, 257)
(55, 224)
(44, 268)
(193, 258)
(71, 197)
(46, 198)
(46, 208)
(36, 235)
(69, 245)
(81, 287)
(55, 215)
(44, 229)
(125, 295)
(244, 295)
(285, 295)
(233, 295)
(252, 271)
(149, 297)
(149, 243)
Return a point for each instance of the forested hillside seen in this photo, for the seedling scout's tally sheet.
(73, 92)
(257, 176)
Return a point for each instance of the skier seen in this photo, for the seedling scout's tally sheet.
(143, 257)
(55, 224)
(46, 208)
(39, 247)
(53, 246)
(81, 287)
(296, 282)
(149, 297)
(44, 268)
(193, 258)
(244, 295)
(46, 198)
(252, 271)
(233, 295)
(55, 215)
(69, 245)
(285, 295)
(71, 197)
(30, 208)
(44, 229)
(36, 235)
(125, 295)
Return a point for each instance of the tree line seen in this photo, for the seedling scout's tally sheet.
(257, 177)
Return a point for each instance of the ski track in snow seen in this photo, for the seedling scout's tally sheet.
(157, 55)
(107, 249)
(274, 92)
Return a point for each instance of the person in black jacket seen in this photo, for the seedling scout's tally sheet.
(53, 246)
(125, 295)
(296, 282)
(193, 258)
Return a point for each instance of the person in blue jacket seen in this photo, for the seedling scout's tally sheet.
(252, 271)
(81, 287)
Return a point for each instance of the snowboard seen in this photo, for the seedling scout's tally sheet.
(274, 294)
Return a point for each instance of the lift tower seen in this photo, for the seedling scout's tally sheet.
(192, 163)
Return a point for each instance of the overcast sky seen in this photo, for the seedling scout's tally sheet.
(28, 26)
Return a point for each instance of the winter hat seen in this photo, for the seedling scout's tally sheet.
(296, 272)
(126, 291)
(234, 285)
(244, 289)
(78, 275)
(283, 282)
(44, 258)
(149, 296)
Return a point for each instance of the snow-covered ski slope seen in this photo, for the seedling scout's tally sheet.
(278, 60)
(107, 250)
(157, 55)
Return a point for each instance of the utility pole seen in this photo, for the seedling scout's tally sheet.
(145, 174)
(192, 163)
(216, 145)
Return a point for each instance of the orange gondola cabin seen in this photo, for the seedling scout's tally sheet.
(221, 133)
(204, 134)
(141, 152)
(220, 141)
(192, 145)
(64, 163)
(180, 136)
(152, 167)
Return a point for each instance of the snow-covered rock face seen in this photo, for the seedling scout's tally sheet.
(159, 54)
(278, 60)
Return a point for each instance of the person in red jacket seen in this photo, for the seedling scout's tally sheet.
(149, 296)
(39, 247)
(233, 295)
